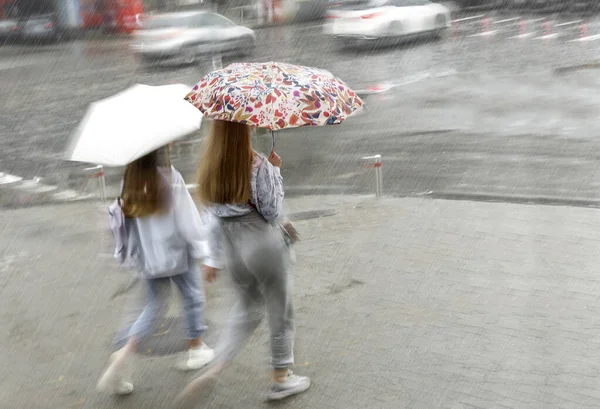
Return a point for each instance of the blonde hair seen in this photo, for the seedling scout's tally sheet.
(225, 169)
(143, 191)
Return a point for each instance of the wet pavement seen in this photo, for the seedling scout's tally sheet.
(482, 113)
(400, 303)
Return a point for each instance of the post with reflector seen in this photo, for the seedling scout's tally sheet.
(101, 179)
(522, 27)
(377, 165)
(583, 30)
(217, 62)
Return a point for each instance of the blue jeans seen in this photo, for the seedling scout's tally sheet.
(193, 305)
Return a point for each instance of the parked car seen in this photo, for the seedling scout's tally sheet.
(40, 28)
(387, 19)
(9, 29)
(186, 36)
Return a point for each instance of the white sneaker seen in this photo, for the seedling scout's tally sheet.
(112, 379)
(293, 385)
(197, 358)
(123, 388)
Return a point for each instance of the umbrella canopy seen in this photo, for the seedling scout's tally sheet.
(117, 130)
(274, 96)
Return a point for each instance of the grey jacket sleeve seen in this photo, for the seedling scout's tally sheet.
(269, 191)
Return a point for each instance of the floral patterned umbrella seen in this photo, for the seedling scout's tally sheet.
(274, 96)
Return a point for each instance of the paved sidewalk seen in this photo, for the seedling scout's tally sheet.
(401, 303)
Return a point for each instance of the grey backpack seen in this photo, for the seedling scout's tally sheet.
(127, 252)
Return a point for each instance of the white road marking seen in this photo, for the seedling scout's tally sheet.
(468, 18)
(485, 34)
(568, 23)
(8, 65)
(35, 187)
(548, 36)
(507, 20)
(583, 39)
(388, 85)
(524, 35)
(6, 179)
(70, 195)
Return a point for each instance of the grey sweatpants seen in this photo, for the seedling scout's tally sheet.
(258, 261)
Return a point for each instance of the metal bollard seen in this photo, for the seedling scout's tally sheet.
(377, 164)
(217, 62)
(100, 175)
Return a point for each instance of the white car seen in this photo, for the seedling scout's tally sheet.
(188, 36)
(391, 19)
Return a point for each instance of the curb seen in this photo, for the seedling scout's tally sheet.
(295, 191)
(515, 199)
(299, 192)
(571, 68)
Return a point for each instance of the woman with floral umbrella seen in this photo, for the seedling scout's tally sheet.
(242, 192)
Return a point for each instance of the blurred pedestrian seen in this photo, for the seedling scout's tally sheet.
(243, 194)
(167, 230)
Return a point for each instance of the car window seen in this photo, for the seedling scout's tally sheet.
(159, 22)
(213, 20)
(408, 3)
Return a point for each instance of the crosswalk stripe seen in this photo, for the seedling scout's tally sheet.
(524, 35)
(6, 179)
(69, 195)
(583, 39)
(485, 34)
(35, 187)
(548, 36)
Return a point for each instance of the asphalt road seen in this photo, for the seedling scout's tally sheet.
(482, 113)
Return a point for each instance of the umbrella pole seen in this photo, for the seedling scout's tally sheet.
(272, 141)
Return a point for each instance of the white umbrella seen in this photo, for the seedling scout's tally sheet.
(117, 130)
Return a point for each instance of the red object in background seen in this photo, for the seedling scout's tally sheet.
(277, 11)
(92, 13)
(120, 16)
(126, 14)
(4, 6)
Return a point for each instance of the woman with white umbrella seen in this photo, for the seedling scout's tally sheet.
(159, 230)
(168, 234)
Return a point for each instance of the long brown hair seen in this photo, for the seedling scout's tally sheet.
(225, 169)
(143, 189)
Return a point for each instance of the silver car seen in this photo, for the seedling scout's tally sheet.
(185, 36)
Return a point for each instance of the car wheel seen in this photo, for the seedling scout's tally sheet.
(145, 61)
(440, 26)
(345, 43)
(395, 29)
(247, 46)
(189, 57)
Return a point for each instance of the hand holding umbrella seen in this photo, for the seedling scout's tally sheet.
(274, 159)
